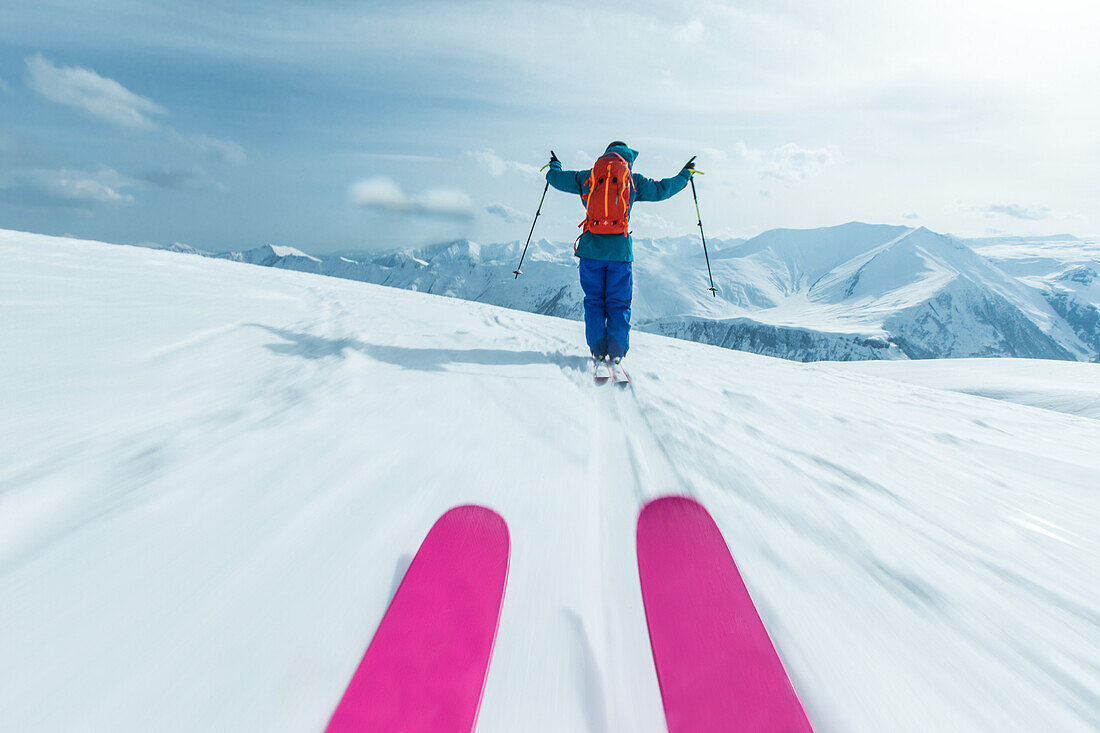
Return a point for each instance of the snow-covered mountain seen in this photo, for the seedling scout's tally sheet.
(212, 476)
(287, 258)
(1066, 270)
(850, 292)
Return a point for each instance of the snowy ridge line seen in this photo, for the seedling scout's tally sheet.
(850, 292)
(858, 291)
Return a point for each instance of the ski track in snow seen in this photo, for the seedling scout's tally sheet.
(214, 475)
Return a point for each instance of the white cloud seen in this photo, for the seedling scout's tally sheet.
(381, 193)
(505, 212)
(651, 225)
(385, 194)
(108, 100)
(711, 154)
(1016, 211)
(690, 32)
(444, 201)
(792, 163)
(742, 150)
(97, 95)
(69, 188)
(1034, 212)
(181, 179)
(497, 166)
(789, 163)
(225, 151)
(5, 87)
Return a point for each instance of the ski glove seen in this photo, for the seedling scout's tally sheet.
(550, 164)
(690, 166)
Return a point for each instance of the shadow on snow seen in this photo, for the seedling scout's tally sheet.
(310, 346)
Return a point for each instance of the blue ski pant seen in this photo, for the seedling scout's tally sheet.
(608, 287)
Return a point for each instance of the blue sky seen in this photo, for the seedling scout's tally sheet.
(340, 125)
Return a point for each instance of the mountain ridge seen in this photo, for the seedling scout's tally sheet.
(851, 291)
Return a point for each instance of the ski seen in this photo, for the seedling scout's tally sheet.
(603, 371)
(425, 669)
(717, 667)
(619, 375)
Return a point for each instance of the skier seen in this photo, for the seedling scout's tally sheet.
(605, 249)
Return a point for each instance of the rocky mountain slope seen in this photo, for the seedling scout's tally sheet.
(850, 292)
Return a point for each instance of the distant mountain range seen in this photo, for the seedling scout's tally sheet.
(848, 292)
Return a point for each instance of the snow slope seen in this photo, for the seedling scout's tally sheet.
(213, 476)
(848, 292)
(1063, 386)
(1064, 269)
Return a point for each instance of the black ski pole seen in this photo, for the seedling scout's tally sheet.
(537, 212)
(712, 289)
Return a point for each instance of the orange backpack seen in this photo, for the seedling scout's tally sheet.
(607, 203)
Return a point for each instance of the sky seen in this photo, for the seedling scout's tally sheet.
(341, 126)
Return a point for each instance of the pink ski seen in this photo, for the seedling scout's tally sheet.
(716, 665)
(603, 371)
(619, 375)
(425, 669)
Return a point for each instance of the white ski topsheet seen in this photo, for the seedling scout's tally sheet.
(212, 476)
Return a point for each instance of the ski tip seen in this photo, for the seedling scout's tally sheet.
(481, 519)
(673, 506)
(672, 501)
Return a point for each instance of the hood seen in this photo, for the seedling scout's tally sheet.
(629, 153)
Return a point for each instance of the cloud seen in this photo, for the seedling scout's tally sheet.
(505, 212)
(224, 151)
(690, 32)
(788, 163)
(5, 87)
(711, 154)
(108, 100)
(497, 166)
(652, 225)
(99, 96)
(403, 157)
(791, 163)
(181, 179)
(445, 202)
(1030, 213)
(68, 188)
(381, 193)
(1036, 212)
(385, 194)
(911, 216)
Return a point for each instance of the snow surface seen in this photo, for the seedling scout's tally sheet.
(1064, 386)
(213, 476)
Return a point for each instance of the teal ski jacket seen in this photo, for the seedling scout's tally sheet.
(615, 247)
